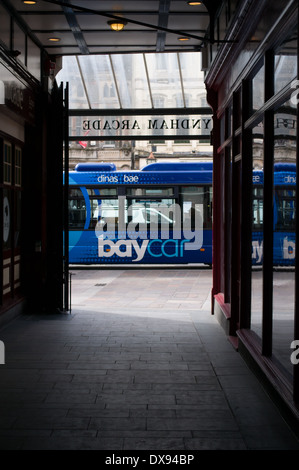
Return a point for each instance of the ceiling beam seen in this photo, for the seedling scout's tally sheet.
(75, 28)
(76, 8)
(125, 13)
(164, 6)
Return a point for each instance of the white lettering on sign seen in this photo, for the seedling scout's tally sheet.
(107, 179)
(148, 216)
(295, 94)
(105, 125)
(141, 124)
(108, 248)
(288, 249)
(256, 179)
(257, 250)
(290, 179)
(128, 248)
(179, 124)
(130, 179)
(295, 354)
(114, 179)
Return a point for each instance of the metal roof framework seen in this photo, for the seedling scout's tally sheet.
(134, 85)
(153, 64)
(81, 27)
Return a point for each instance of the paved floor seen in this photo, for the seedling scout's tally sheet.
(139, 364)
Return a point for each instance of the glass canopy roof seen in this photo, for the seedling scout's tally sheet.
(134, 81)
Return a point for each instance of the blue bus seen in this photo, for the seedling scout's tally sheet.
(162, 214)
(284, 213)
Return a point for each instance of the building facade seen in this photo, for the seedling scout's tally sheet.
(252, 85)
(27, 128)
(129, 155)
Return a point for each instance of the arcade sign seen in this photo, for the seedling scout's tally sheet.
(146, 127)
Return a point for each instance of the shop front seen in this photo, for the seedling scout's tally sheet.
(14, 115)
(31, 155)
(252, 85)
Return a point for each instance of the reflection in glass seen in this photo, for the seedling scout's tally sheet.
(285, 125)
(7, 219)
(258, 86)
(197, 198)
(257, 230)
(105, 210)
(285, 209)
(285, 129)
(286, 62)
(154, 212)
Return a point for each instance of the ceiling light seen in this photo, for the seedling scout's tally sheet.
(54, 39)
(117, 25)
(183, 38)
(194, 3)
(30, 2)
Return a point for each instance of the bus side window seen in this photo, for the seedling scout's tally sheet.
(257, 208)
(77, 213)
(197, 198)
(153, 212)
(105, 210)
(286, 210)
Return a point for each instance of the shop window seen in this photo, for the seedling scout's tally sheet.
(285, 205)
(222, 129)
(12, 207)
(258, 87)
(285, 133)
(7, 173)
(257, 208)
(237, 109)
(228, 122)
(285, 65)
(257, 235)
(18, 166)
(7, 214)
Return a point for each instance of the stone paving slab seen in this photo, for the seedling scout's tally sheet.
(139, 364)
